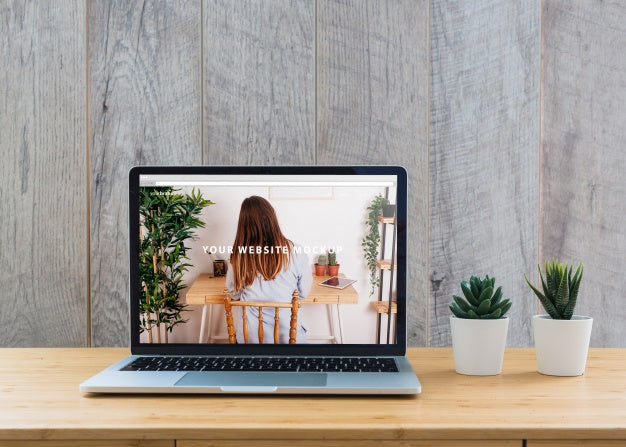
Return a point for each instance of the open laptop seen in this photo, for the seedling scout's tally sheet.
(347, 340)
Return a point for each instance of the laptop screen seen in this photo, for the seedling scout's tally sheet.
(285, 258)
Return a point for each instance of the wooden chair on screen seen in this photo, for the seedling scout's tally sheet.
(229, 303)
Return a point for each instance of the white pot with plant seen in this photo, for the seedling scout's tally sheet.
(561, 338)
(479, 327)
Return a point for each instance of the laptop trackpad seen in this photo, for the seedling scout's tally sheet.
(251, 379)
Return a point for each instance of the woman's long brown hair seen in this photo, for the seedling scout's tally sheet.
(258, 227)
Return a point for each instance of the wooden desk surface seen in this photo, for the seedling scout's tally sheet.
(39, 398)
(208, 290)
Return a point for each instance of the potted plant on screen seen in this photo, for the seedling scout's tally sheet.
(333, 267)
(561, 338)
(320, 265)
(479, 327)
(168, 219)
(371, 241)
(389, 209)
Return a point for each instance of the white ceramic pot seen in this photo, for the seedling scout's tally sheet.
(478, 345)
(562, 345)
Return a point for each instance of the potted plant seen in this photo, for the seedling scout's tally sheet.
(333, 267)
(479, 327)
(371, 241)
(389, 209)
(168, 219)
(320, 265)
(561, 338)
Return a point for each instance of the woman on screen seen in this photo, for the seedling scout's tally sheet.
(265, 267)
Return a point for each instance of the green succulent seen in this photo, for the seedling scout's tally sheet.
(321, 260)
(480, 302)
(560, 289)
(332, 258)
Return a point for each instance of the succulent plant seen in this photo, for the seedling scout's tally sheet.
(480, 302)
(560, 289)
(332, 258)
(321, 260)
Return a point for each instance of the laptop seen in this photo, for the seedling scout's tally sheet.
(189, 229)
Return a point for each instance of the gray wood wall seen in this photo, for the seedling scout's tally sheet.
(583, 155)
(43, 174)
(506, 114)
(484, 154)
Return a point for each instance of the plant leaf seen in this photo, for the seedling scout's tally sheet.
(573, 296)
(505, 309)
(484, 307)
(545, 302)
(562, 296)
(496, 299)
(472, 314)
(461, 303)
(485, 295)
(458, 312)
(493, 315)
(471, 298)
(543, 283)
(552, 279)
(474, 286)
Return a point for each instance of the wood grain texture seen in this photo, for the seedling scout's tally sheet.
(353, 443)
(90, 443)
(484, 162)
(259, 82)
(40, 399)
(372, 105)
(583, 196)
(144, 74)
(43, 204)
(575, 443)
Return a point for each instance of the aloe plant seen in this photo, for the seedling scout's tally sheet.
(481, 302)
(560, 289)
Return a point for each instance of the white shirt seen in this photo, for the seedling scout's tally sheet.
(297, 275)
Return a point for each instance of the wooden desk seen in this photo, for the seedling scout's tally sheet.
(208, 291)
(39, 400)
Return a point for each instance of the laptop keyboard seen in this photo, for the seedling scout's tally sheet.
(289, 364)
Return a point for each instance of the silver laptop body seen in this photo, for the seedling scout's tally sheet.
(285, 186)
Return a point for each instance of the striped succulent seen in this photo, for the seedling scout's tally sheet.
(480, 300)
(560, 289)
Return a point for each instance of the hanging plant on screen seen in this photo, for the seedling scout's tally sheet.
(371, 241)
(168, 219)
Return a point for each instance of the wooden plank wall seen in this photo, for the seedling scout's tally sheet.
(583, 195)
(144, 104)
(259, 86)
(43, 174)
(484, 163)
(451, 90)
(372, 97)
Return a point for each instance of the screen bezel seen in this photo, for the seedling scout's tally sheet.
(399, 348)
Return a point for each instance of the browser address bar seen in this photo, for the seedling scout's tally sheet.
(270, 183)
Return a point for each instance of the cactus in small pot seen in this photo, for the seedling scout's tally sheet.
(479, 327)
(332, 258)
(320, 266)
(560, 289)
(333, 267)
(480, 300)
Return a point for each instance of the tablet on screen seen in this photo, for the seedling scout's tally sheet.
(337, 283)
